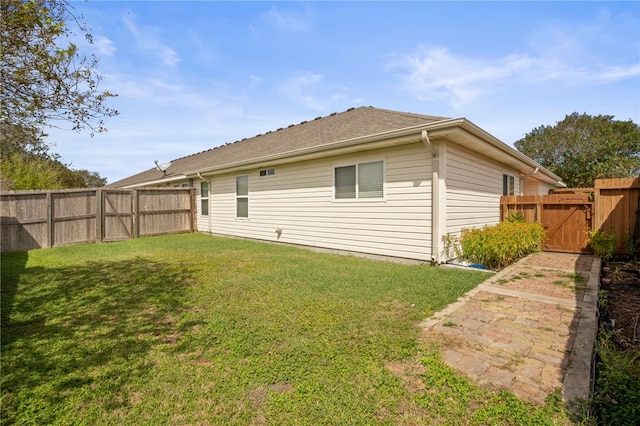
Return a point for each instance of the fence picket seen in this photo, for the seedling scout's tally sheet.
(81, 216)
(613, 205)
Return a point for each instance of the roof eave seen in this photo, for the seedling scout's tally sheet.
(454, 129)
(375, 141)
(163, 180)
(461, 128)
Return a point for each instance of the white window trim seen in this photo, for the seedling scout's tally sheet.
(202, 197)
(514, 183)
(235, 182)
(356, 199)
(266, 170)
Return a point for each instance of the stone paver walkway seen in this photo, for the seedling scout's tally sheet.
(529, 329)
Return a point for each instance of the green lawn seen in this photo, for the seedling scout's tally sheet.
(193, 329)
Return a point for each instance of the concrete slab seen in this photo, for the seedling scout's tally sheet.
(530, 328)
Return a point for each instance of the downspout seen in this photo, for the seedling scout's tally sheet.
(208, 198)
(435, 197)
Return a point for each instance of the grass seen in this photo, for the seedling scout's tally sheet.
(193, 329)
(577, 283)
(616, 399)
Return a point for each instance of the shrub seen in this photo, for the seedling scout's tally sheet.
(500, 245)
(603, 243)
(516, 217)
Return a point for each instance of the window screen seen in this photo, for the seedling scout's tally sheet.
(204, 198)
(508, 185)
(242, 196)
(370, 180)
(363, 180)
(346, 182)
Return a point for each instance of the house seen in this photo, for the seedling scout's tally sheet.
(365, 180)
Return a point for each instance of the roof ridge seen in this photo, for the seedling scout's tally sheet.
(354, 122)
(410, 114)
(279, 129)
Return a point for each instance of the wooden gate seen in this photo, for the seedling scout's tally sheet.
(566, 217)
(117, 215)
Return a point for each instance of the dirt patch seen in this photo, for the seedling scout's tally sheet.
(621, 311)
(410, 373)
(258, 398)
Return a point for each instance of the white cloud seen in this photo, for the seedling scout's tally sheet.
(147, 38)
(255, 81)
(290, 21)
(618, 72)
(573, 53)
(104, 46)
(435, 73)
(304, 88)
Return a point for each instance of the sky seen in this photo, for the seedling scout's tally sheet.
(192, 75)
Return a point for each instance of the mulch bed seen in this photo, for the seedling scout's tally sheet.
(621, 313)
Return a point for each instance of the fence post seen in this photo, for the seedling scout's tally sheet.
(539, 211)
(99, 216)
(193, 215)
(597, 210)
(50, 211)
(134, 214)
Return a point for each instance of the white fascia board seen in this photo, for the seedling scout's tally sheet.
(526, 164)
(381, 140)
(439, 129)
(155, 182)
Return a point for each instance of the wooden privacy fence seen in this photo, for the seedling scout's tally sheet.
(34, 219)
(613, 205)
(565, 217)
(618, 210)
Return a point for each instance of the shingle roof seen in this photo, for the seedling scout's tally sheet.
(350, 124)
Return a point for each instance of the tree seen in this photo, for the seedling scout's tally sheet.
(45, 81)
(22, 170)
(582, 148)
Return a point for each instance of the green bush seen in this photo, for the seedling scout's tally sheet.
(500, 245)
(516, 217)
(603, 243)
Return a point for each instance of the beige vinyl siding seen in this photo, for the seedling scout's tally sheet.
(299, 200)
(474, 188)
(532, 186)
(202, 221)
(545, 188)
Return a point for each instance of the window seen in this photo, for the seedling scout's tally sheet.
(267, 172)
(360, 181)
(508, 185)
(204, 198)
(242, 196)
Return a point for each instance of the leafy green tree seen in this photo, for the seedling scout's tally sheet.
(45, 81)
(582, 148)
(22, 171)
(26, 170)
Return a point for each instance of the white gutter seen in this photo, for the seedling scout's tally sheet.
(448, 128)
(530, 174)
(154, 182)
(380, 140)
(439, 129)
